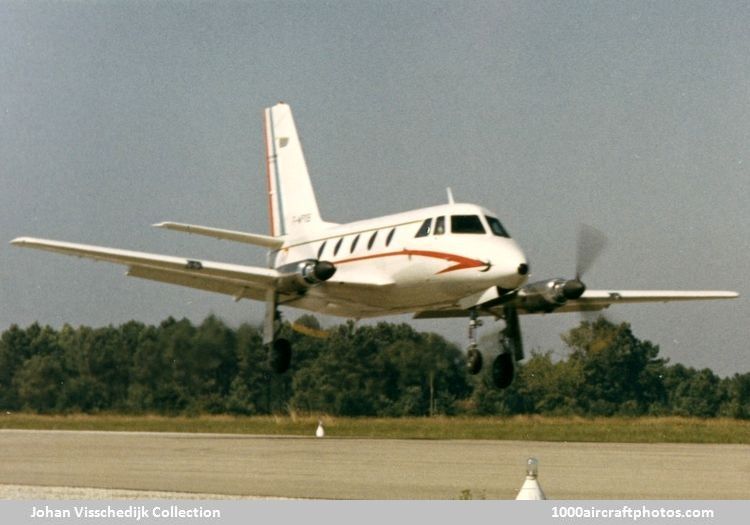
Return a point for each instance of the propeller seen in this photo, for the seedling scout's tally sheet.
(590, 244)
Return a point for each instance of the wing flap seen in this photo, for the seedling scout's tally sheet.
(236, 288)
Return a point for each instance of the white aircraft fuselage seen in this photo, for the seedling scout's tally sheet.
(408, 273)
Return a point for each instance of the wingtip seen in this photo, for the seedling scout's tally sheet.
(19, 240)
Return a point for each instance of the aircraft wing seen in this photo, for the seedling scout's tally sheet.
(231, 279)
(592, 301)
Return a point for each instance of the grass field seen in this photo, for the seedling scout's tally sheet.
(533, 428)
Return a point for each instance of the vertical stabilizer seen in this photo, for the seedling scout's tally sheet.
(291, 200)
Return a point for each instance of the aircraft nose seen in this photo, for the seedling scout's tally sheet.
(511, 266)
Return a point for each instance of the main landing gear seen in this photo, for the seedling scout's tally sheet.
(280, 355)
(511, 348)
(279, 349)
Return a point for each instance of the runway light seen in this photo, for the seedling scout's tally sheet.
(320, 431)
(531, 490)
(532, 467)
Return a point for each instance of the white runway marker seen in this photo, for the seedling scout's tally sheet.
(531, 488)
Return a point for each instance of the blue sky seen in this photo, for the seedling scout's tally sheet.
(633, 117)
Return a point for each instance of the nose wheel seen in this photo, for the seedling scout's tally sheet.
(473, 355)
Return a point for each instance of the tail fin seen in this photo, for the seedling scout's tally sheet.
(291, 200)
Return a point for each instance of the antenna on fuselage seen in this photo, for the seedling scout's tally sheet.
(450, 196)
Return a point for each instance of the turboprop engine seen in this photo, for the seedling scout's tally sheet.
(546, 296)
(298, 277)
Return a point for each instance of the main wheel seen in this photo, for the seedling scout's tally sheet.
(473, 360)
(280, 355)
(502, 370)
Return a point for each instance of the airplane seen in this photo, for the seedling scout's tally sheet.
(450, 260)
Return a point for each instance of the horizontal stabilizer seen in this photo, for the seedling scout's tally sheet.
(230, 235)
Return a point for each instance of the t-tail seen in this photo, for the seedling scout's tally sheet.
(292, 207)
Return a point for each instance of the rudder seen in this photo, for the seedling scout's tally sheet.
(292, 206)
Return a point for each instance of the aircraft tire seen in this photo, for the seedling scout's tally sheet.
(280, 355)
(502, 370)
(473, 361)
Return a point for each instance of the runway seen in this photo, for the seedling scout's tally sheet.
(293, 467)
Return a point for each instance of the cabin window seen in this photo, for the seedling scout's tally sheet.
(496, 227)
(440, 226)
(320, 250)
(390, 237)
(372, 240)
(338, 245)
(466, 224)
(354, 244)
(425, 229)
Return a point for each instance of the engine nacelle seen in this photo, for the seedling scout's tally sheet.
(546, 296)
(298, 277)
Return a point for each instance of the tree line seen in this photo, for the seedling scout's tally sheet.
(387, 370)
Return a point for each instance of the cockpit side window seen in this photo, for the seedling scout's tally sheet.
(496, 227)
(440, 225)
(466, 224)
(425, 229)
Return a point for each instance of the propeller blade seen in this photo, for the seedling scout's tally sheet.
(591, 242)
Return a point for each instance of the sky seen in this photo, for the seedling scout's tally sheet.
(633, 117)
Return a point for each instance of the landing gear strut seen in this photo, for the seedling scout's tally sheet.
(279, 349)
(473, 355)
(511, 349)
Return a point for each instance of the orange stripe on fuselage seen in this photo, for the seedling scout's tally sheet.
(268, 171)
(462, 263)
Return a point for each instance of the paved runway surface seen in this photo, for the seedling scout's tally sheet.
(366, 468)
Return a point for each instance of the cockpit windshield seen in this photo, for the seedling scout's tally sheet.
(496, 227)
(466, 224)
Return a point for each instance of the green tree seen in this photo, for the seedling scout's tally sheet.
(39, 382)
(15, 348)
(550, 387)
(737, 397)
(214, 347)
(693, 392)
(249, 391)
(620, 373)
